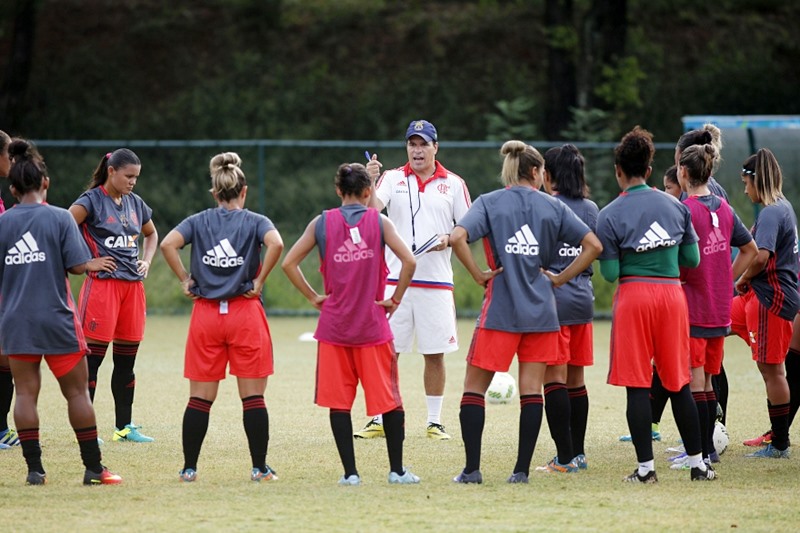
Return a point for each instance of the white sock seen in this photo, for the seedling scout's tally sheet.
(646, 467)
(378, 419)
(434, 409)
(696, 461)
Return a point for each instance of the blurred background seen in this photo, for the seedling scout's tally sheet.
(297, 87)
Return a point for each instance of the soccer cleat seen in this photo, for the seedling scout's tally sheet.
(713, 457)
(188, 475)
(130, 433)
(372, 430)
(8, 438)
(654, 434)
(720, 413)
(650, 477)
(580, 460)
(518, 477)
(770, 452)
(680, 458)
(473, 477)
(267, 475)
(406, 479)
(104, 477)
(761, 440)
(556, 467)
(437, 432)
(36, 478)
(699, 474)
(351, 480)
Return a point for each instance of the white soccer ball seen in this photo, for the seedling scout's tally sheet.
(721, 438)
(502, 389)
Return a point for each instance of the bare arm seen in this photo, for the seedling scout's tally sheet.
(295, 256)
(747, 253)
(409, 264)
(79, 213)
(755, 267)
(149, 248)
(458, 241)
(274, 244)
(374, 171)
(169, 249)
(590, 249)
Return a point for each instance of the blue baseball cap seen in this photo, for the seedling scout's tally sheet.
(424, 129)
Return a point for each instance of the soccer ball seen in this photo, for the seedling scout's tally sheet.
(502, 389)
(720, 438)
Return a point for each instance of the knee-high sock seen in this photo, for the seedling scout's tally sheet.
(394, 426)
(6, 395)
(684, 410)
(702, 417)
(793, 379)
(658, 398)
(256, 426)
(557, 409)
(123, 382)
(639, 415)
(720, 384)
(90, 449)
(342, 428)
(579, 417)
(472, 416)
(530, 421)
(779, 417)
(97, 353)
(195, 426)
(711, 401)
(31, 449)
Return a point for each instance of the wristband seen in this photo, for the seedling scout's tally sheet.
(395, 302)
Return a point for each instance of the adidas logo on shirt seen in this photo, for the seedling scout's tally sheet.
(568, 250)
(523, 242)
(223, 255)
(349, 252)
(655, 237)
(25, 251)
(716, 242)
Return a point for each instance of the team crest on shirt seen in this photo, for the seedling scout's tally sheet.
(655, 237)
(523, 242)
(443, 188)
(121, 241)
(134, 218)
(350, 252)
(25, 251)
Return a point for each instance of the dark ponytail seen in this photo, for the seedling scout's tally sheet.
(28, 170)
(117, 159)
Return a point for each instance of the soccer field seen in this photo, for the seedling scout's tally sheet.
(750, 495)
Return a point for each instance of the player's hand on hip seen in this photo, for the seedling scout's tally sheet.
(317, 301)
(255, 292)
(101, 264)
(390, 306)
(143, 267)
(486, 276)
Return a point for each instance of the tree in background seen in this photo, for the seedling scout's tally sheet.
(20, 63)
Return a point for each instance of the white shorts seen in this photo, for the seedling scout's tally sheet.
(427, 314)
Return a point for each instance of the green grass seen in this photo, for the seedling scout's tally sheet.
(751, 495)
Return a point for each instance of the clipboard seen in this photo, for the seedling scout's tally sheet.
(427, 246)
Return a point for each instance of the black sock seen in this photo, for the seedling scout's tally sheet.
(658, 399)
(31, 449)
(579, 416)
(97, 353)
(530, 421)
(123, 382)
(6, 395)
(394, 426)
(557, 409)
(779, 417)
(720, 384)
(472, 416)
(639, 415)
(702, 418)
(684, 411)
(342, 428)
(711, 401)
(195, 426)
(256, 426)
(90, 449)
(793, 379)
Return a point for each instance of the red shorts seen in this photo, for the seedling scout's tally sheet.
(60, 365)
(112, 309)
(235, 333)
(767, 334)
(493, 349)
(577, 342)
(707, 353)
(649, 327)
(340, 368)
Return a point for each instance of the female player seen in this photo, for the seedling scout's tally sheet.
(671, 185)
(523, 231)
(708, 287)
(564, 178)
(39, 244)
(112, 304)
(646, 235)
(228, 324)
(763, 312)
(8, 436)
(355, 342)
